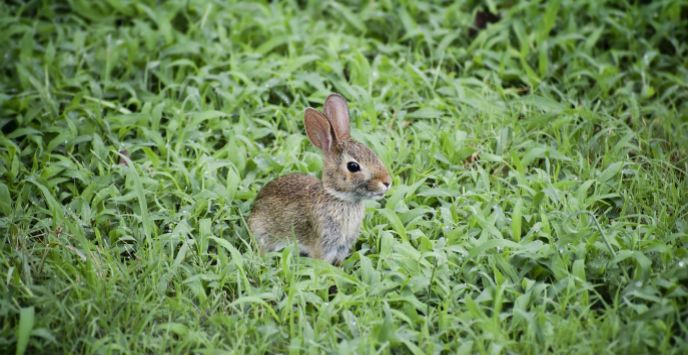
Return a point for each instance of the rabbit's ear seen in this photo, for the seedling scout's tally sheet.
(337, 112)
(318, 129)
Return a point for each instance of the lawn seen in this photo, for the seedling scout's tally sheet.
(538, 152)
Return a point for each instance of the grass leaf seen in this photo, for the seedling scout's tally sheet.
(26, 321)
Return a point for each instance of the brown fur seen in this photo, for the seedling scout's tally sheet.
(323, 217)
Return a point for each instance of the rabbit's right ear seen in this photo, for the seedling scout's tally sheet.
(337, 112)
(318, 129)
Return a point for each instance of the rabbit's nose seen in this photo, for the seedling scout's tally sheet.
(384, 186)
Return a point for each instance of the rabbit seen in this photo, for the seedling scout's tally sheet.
(323, 216)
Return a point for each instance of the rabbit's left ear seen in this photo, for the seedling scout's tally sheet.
(337, 112)
(318, 129)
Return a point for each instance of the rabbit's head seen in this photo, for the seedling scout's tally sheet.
(351, 171)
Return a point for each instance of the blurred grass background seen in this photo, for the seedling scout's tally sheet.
(538, 151)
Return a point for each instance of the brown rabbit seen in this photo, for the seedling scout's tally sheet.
(324, 217)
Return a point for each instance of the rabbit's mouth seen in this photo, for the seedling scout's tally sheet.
(377, 195)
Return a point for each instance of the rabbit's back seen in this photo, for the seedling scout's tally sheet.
(284, 208)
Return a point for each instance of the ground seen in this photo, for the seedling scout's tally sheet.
(538, 153)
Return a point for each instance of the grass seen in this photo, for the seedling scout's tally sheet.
(539, 162)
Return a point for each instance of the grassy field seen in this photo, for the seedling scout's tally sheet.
(539, 153)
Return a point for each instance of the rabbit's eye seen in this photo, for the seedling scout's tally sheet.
(353, 166)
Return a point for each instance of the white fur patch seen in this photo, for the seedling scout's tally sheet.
(279, 246)
(335, 255)
(342, 195)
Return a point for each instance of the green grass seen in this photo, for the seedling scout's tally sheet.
(539, 200)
